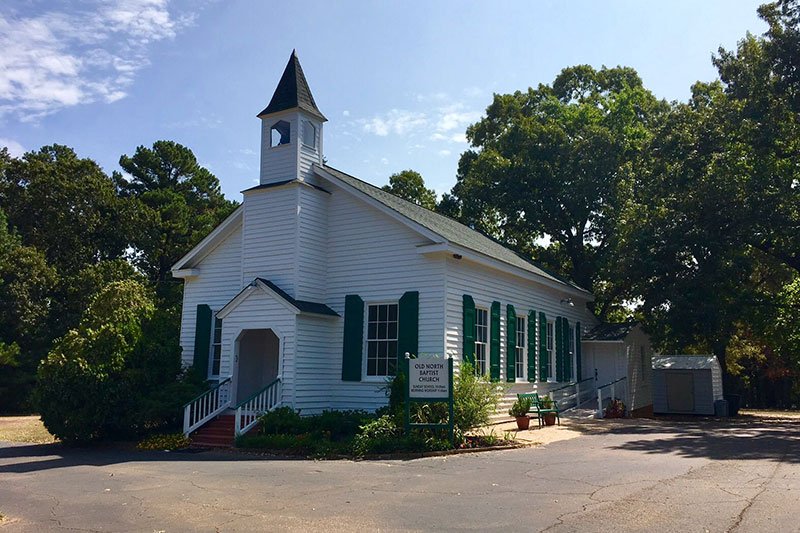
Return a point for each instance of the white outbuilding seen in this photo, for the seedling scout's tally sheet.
(686, 384)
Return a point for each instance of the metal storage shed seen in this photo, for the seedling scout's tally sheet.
(686, 384)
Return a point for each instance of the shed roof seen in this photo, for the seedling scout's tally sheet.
(609, 332)
(452, 231)
(684, 362)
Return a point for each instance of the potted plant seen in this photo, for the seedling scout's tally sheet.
(520, 411)
(615, 409)
(546, 403)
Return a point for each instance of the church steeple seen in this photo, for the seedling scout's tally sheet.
(293, 92)
(291, 129)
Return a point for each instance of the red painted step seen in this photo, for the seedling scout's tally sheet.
(216, 433)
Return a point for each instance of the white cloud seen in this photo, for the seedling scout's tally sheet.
(58, 59)
(14, 148)
(384, 161)
(346, 113)
(444, 153)
(398, 121)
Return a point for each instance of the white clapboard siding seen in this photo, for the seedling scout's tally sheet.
(312, 248)
(269, 240)
(318, 364)
(262, 311)
(376, 257)
(218, 282)
(278, 163)
(486, 286)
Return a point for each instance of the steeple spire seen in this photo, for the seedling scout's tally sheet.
(293, 92)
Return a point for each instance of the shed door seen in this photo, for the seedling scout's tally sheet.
(680, 391)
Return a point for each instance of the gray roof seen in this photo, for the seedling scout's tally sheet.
(449, 229)
(301, 305)
(292, 91)
(684, 362)
(609, 332)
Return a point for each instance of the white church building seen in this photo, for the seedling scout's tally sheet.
(311, 291)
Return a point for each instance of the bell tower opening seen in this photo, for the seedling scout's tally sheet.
(280, 133)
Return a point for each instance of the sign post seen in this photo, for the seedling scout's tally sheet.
(429, 379)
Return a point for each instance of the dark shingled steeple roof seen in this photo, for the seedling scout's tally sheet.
(292, 92)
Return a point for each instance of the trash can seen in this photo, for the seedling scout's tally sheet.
(734, 402)
(721, 408)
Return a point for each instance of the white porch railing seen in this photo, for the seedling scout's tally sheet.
(609, 390)
(248, 411)
(573, 394)
(206, 406)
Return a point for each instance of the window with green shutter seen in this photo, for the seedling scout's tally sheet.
(545, 347)
(352, 346)
(494, 343)
(408, 336)
(560, 349)
(569, 348)
(511, 345)
(202, 339)
(468, 329)
(532, 346)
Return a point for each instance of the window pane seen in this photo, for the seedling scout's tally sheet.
(372, 367)
(392, 349)
(393, 312)
(372, 349)
(373, 313)
(392, 330)
(392, 370)
(382, 312)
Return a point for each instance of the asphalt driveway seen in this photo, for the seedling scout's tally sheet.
(694, 475)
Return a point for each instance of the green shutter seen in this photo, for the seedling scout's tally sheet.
(468, 329)
(532, 346)
(578, 350)
(511, 343)
(202, 339)
(559, 350)
(566, 331)
(544, 359)
(408, 326)
(353, 344)
(494, 342)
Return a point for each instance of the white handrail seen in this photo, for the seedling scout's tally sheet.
(612, 387)
(206, 406)
(248, 411)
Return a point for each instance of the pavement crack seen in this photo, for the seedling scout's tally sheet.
(763, 488)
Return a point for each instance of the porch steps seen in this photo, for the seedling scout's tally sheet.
(217, 433)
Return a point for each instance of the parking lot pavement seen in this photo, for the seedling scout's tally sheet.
(622, 476)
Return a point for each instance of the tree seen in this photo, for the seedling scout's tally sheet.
(178, 203)
(25, 284)
(65, 207)
(558, 162)
(410, 186)
(117, 374)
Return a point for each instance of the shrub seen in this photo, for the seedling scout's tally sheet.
(283, 421)
(376, 436)
(118, 374)
(170, 441)
(615, 409)
(475, 399)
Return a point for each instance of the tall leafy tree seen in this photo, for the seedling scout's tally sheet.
(557, 163)
(178, 203)
(410, 186)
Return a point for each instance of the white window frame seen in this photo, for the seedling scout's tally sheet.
(215, 345)
(482, 347)
(367, 340)
(308, 125)
(521, 350)
(550, 343)
(572, 355)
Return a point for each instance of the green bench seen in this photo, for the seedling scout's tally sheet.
(538, 409)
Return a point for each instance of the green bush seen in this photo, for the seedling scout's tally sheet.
(475, 398)
(118, 374)
(283, 421)
(170, 441)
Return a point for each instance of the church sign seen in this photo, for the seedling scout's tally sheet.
(428, 377)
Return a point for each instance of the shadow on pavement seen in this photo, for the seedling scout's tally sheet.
(35, 457)
(743, 437)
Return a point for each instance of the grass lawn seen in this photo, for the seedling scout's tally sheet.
(24, 429)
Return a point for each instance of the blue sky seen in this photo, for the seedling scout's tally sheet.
(398, 80)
